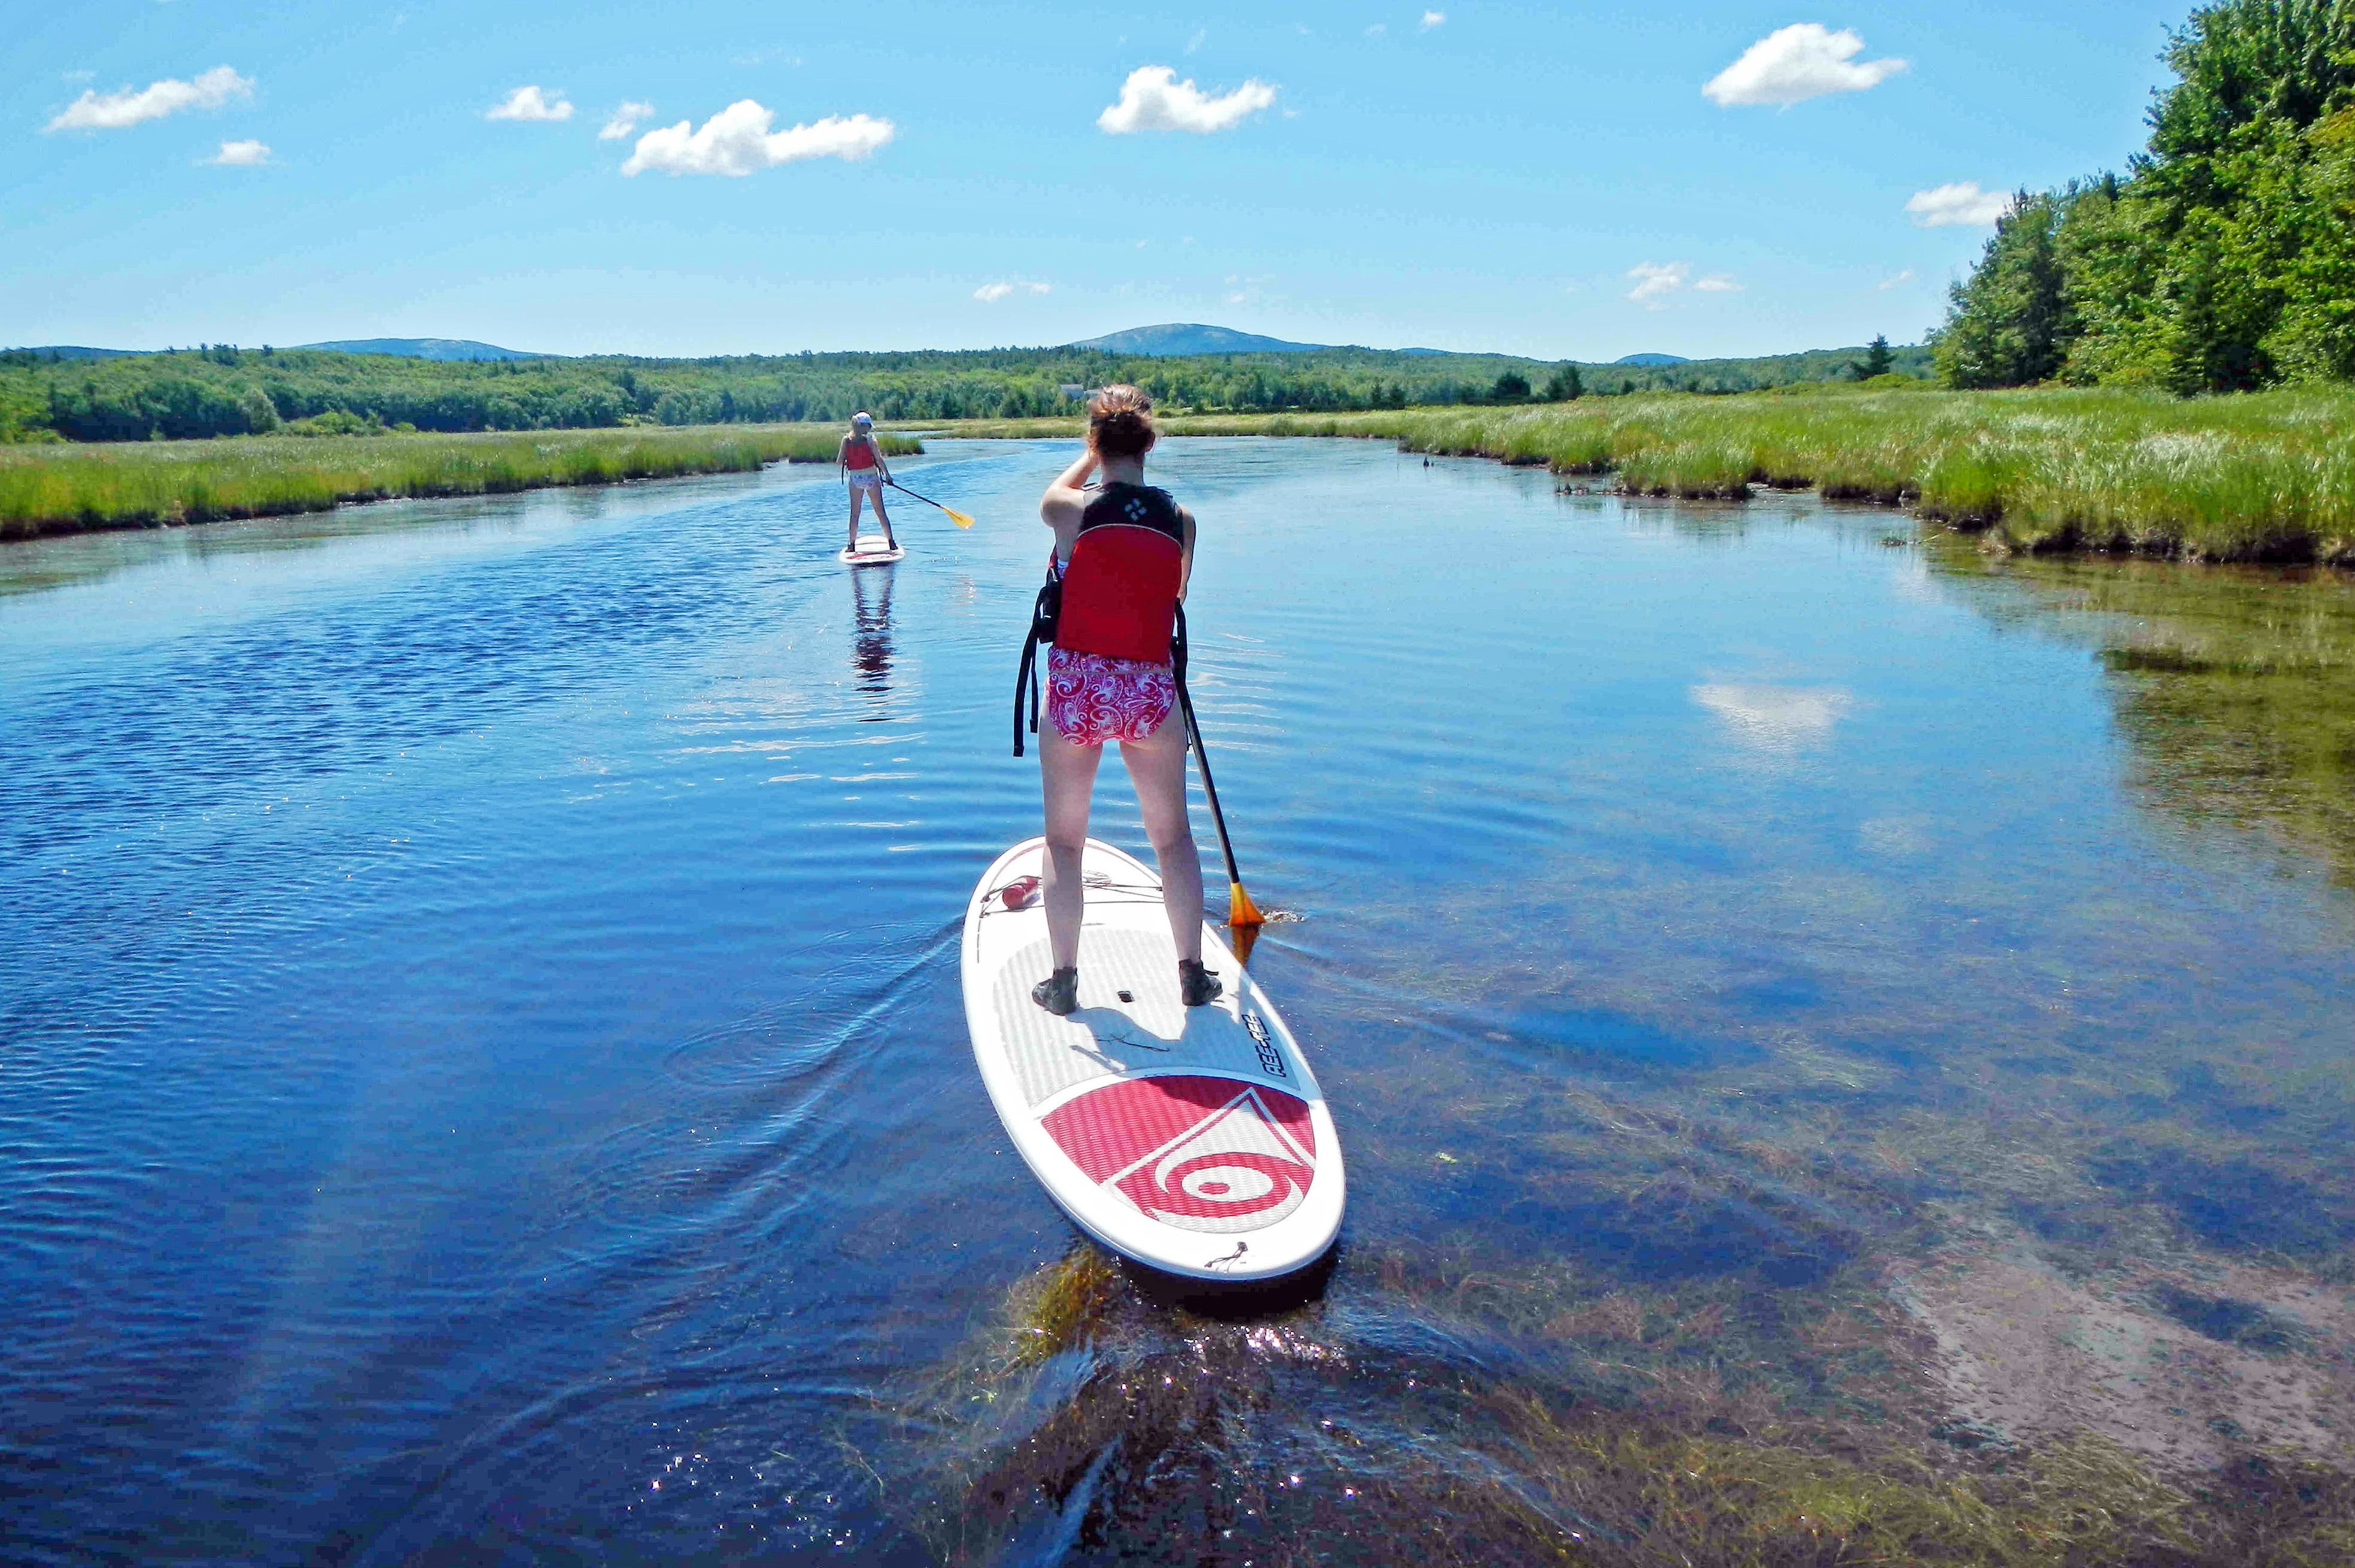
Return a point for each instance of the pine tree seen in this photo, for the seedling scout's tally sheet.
(1877, 361)
(1564, 386)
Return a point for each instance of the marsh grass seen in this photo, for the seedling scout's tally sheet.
(68, 488)
(2267, 477)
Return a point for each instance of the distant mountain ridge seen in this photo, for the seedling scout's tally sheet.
(1181, 339)
(426, 348)
(1186, 339)
(74, 351)
(444, 348)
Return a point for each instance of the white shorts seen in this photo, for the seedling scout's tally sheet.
(863, 478)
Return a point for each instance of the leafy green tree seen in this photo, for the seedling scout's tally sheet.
(2009, 323)
(1564, 386)
(1512, 386)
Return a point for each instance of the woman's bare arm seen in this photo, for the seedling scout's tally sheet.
(1186, 555)
(1065, 499)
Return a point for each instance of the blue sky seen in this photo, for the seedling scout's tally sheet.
(1457, 175)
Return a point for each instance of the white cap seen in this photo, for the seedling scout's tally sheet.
(862, 419)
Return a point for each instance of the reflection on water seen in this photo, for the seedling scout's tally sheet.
(1773, 718)
(871, 640)
(2237, 687)
(1843, 1050)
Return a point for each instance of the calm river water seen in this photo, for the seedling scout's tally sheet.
(483, 1075)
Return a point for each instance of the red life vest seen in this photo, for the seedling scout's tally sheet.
(859, 454)
(1119, 588)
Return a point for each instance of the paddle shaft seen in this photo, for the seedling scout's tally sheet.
(927, 500)
(1209, 788)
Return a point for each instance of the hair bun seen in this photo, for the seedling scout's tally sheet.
(1120, 422)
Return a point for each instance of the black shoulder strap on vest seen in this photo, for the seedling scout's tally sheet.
(1045, 612)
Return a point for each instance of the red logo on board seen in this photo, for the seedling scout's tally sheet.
(1204, 1153)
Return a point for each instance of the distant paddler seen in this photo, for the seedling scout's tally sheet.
(860, 461)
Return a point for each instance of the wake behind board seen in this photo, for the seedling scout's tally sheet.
(1191, 1139)
(870, 550)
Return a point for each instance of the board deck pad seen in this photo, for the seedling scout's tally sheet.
(1193, 1140)
(870, 550)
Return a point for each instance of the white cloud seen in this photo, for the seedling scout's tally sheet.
(1435, 18)
(737, 140)
(1795, 63)
(1378, 29)
(530, 103)
(625, 121)
(1201, 34)
(1153, 99)
(1719, 283)
(1657, 280)
(241, 154)
(114, 111)
(1887, 283)
(990, 293)
(1237, 297)
(1945, 206)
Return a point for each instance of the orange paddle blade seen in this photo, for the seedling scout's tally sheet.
(1240, 911)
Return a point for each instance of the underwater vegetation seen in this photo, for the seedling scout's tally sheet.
(1430, 1418)
(2262, 478)
(59, 489)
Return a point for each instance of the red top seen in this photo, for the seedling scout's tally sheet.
(859, 454)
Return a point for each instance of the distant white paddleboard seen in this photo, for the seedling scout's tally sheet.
(1193, 1140)
(870, 550)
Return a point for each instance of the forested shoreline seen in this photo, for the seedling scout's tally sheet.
(221, 390)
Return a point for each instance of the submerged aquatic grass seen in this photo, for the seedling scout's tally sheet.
(55, 488)
(2265, 477)
(1655, 1436)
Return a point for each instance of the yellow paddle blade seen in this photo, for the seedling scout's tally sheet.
(1242, 913)
(962, 520)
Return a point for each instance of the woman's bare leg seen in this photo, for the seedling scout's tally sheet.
(1157, 765)
(1067, 771)
(884, 518)
(857, 493)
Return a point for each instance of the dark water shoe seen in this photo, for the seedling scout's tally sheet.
(1059, 993)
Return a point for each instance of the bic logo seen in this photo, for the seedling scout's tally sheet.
(1271, 1061)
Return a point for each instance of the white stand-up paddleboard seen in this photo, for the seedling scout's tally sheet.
(1192, 1139)
(870, 550)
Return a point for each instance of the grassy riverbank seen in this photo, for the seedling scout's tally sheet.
(2268, 477)
(67, 488)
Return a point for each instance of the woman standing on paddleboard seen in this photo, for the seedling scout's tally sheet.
(1124, 552)
(860, 458)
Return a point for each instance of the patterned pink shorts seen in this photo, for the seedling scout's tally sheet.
(1092, 698)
